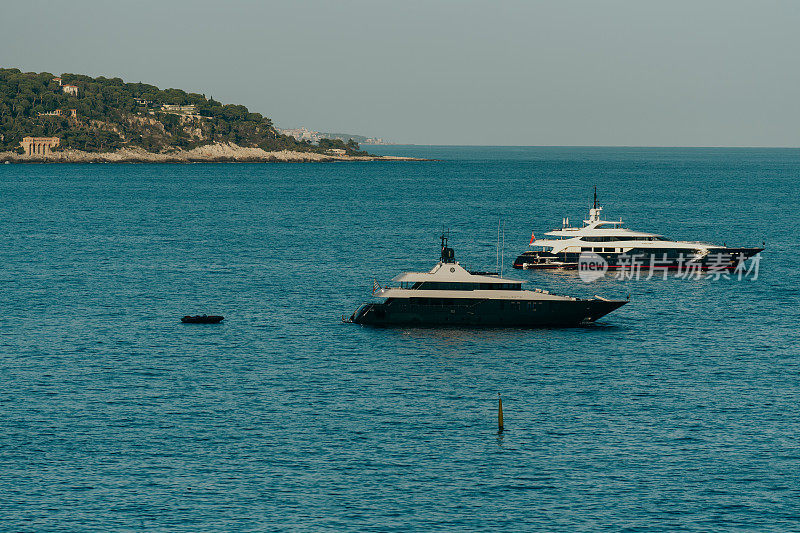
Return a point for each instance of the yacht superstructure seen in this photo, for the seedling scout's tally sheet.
(620, 248)
(449, 294)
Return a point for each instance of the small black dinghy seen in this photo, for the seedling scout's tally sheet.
(202, 319)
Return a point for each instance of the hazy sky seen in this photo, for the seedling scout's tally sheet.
(560, 72)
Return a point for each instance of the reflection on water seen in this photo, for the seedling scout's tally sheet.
(458, 336)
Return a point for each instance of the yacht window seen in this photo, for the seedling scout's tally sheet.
(598, 239)
(449, 286)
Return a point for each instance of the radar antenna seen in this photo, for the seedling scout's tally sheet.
(448, 256)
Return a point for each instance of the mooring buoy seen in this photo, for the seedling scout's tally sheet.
(499, 413)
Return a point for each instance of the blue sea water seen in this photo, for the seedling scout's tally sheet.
(678, 412)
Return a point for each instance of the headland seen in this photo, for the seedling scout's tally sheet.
(74, 118)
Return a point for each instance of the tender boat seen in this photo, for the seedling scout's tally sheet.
(622, 248)
(202, 319)
(450, 295)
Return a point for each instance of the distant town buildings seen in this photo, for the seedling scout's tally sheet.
(375, 140)
(142, 101)
(39, 145)
(302, 134)
(336, 151)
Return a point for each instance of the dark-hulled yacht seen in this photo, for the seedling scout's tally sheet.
(453, 296)
(622, 248)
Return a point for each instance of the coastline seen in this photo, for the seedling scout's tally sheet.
(211, 153)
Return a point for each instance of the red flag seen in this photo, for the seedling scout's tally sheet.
(533, 237)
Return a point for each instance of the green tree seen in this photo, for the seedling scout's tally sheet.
(108, 112)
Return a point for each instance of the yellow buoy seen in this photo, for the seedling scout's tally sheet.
(499, 413)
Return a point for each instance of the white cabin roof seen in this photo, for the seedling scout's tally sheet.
(593, 230)
(450, 272)
(569, 236)
(520, 295)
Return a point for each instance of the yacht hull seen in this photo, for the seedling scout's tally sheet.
(486, 313)
(724, 259)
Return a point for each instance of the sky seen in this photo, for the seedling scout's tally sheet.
(507, 72)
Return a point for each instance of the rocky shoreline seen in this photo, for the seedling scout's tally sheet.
(212, 153)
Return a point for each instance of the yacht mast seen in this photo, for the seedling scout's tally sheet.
(497, 248)
(503, 249)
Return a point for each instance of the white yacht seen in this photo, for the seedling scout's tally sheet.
(624, 248)
(449, 294)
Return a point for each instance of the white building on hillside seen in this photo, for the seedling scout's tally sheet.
(172, 108)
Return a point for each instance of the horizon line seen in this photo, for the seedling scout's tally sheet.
(786, 147)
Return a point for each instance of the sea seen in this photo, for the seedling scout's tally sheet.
(677, 412)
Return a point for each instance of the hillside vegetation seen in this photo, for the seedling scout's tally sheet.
(111, 114)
